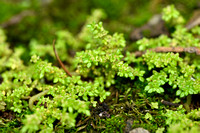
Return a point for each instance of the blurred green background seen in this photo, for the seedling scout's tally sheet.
(40, 19)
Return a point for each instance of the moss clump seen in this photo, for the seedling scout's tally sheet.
(43, 98)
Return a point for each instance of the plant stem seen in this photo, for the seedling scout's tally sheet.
(35, 97)
(188, 102)
(60, 62)
(170, 49)
(170, 103)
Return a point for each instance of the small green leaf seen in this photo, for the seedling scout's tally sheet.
(154, 105)
(148, 116)
(89, 64)
(55, 80)
(41, 75)
(178, 92)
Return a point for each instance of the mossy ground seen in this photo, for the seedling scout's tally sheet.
(122, 97)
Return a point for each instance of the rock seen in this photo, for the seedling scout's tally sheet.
(153, 28)
(139, 130)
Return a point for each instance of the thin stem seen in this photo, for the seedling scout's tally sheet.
(188, 102)
(170, 103)
(60, 62)
(35, 97)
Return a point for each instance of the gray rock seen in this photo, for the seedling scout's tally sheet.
(139, 130)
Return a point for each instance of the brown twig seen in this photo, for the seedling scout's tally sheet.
(171, 49)
(170, 103)
(194, 20)
(60, 62)
(193, 24)
(17, 18)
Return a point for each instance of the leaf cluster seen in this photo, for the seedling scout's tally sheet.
(46, 91)
(104, 57)
(45, 98)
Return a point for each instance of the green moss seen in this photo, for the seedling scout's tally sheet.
(113, 125)
(44, 99)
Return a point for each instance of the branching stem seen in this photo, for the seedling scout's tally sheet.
(170, 49)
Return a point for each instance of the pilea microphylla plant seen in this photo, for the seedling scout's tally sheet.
(158, 83)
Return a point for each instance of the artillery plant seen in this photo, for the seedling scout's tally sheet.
(42, 97)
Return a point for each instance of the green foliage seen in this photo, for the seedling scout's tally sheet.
(182, 37)
(103, 57)
(65, 41)
(172, 16)
(63, 102)
(179, 122)
(66, 93)
(113, 124)
(44, 98)
(172, 74)
(196, 30)
(173, 71)
(145, 43)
